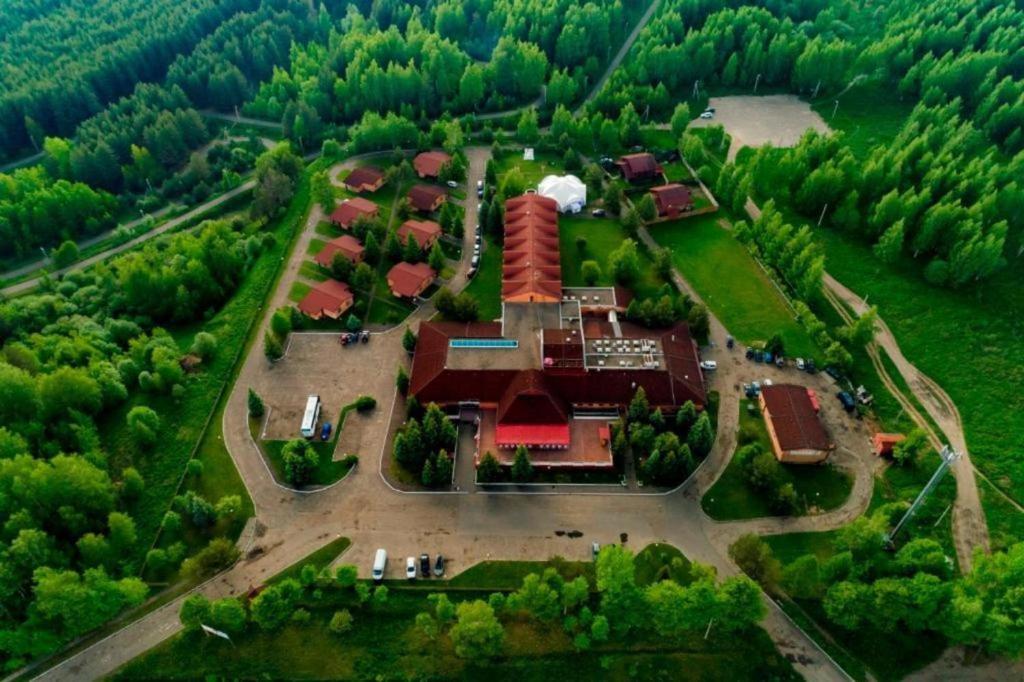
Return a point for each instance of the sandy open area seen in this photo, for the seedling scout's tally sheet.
(753, 121)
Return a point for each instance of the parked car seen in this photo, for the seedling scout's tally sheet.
(756, 387)
(439, 566)
(595, 549)
(847, 400)
(768, 357)
(730, 342)
(811, 368)
(597, 213)
(325, 431)
(708, 114)
(758, 356)
(709, 365)
(864, 396)
(780, 361)
(800, 364)
(424, 565)
(343, 338)
(479, 191)
(380, 562)
(751, 390)
(452, 184)
(711, 109)
(471, 273)
(766, 382)
(364, 336)
(834, 372)
(410, 568)
(475, 262)
(750, 353)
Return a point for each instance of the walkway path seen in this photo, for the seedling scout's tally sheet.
(246, 120)
(467, 528)
(171, 224)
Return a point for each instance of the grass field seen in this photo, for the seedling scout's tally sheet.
(969, 341)
(486, 284)
(731, 497)
(869, 114)
(731, 283)
(544, 163)
(384, 644)
(603, 236)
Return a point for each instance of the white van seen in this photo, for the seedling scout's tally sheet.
(310, 417)
(380, 562)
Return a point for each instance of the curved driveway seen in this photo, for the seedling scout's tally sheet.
(469, 526)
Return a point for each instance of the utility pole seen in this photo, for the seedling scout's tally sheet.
(948, 456)
(822, 216)
(756, 81)
(815, 95)
(696, 89)
(834, 110)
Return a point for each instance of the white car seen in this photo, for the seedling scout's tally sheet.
(452, 184)
(800, 364)
(766, 382)
(708, 114)
(410, 568)
(709, 365)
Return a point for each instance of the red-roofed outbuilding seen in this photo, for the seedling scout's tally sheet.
(365, 179)
(794, 428)
(426, 198)
(531, 269)
(429, 164)
(672, 199)
(424, 232)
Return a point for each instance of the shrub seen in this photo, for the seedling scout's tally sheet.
(204, 345)
(365, 403)
(341, 622)
(216, 556)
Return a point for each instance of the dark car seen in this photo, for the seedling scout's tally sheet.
(729, 342)
(344, 339)
(750, 354)
(758, 356)
(439, 566)
(325, 431)
(834, 372)
(425, 565)
(849, 404)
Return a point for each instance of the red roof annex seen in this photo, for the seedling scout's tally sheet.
(531, 264)
(429, 164)
(410, 279)
(346, 245)
(352, 209)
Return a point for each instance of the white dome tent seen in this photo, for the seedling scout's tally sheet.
(567, 190)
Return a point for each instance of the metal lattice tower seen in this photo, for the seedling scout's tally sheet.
(948, 456)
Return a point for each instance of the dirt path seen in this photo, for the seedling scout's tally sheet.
(621, 54)
(263, 123)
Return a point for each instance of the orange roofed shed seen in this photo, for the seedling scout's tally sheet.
(346, 245)
(531, 265)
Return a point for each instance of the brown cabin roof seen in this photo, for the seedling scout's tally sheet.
(352, 209)
(423, 231)
(424, 197)
(408, 279)
(365, 175)
(671, 196)
(796, 424)
(639, 165)
(429, 164)
(346, 244)
(329, 297)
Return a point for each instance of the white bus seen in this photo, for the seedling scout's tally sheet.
(311, 416)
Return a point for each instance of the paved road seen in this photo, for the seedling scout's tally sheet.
(29, 284)
(466, 527)
(621, 54)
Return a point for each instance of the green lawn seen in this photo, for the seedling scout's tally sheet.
(544, 163)
(384, 644)
(315, 246)
(731, 283)
(969, 341)
(731, 498)
(298, 291)
(869, 114)
(603, 236)
(486, 284)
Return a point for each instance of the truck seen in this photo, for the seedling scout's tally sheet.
(310, 416)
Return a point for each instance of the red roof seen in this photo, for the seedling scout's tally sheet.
(410, 279)
(792, 415)
(425, 232)
(351, 210)
(428, 164)
(330, 298)
(346, 244)
(425, 197)
(531, 265)
(433, 381)
(642, 165)
(367, 176)
(672, 198)
(514, 435)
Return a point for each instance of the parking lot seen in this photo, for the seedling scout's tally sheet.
(752, 121)
(317, 363)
